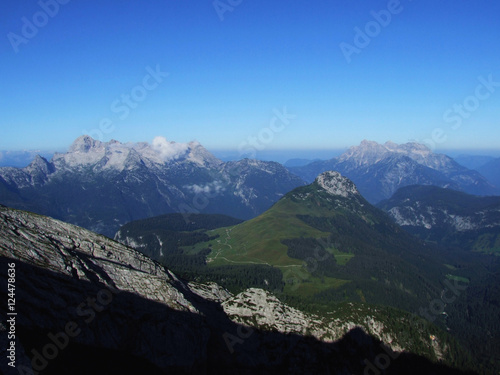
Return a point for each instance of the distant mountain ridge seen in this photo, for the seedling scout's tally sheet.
(102, 185)
(449, 217)
(379, 170)
(491, 170)
(473, 161)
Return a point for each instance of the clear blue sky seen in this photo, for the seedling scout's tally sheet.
(228, 72)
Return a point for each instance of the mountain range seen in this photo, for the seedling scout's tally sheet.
(491, 170)
(103, 185)
(379, 170)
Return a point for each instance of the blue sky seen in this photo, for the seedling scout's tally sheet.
(422, 70)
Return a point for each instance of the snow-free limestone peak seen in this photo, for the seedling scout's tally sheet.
(335, 184)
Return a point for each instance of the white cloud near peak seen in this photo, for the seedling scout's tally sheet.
(169, 150)
(215, 187)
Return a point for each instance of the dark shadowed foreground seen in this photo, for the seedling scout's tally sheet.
(88, 305)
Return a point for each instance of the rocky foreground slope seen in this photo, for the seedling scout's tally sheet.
(87, 304)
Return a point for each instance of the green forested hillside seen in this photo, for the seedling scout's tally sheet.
(333, 248)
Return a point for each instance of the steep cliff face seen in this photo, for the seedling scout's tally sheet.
(118, 298)
(86, 304)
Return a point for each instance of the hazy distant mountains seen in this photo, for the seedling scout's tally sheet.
(488, 166)
(473, 161)
(379, 170)
(21, 158)
(101, 186)
(491, 171)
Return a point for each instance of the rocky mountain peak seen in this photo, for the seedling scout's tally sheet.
(39, 163)
(115, 155)
(368, 152)
(201, 156)
(335, 184)
(365, 143)
(390, 145)
(416, 151)
(84, 151)
(374, 149)
(85, 144)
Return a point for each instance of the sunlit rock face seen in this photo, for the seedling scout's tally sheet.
(335, 184)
